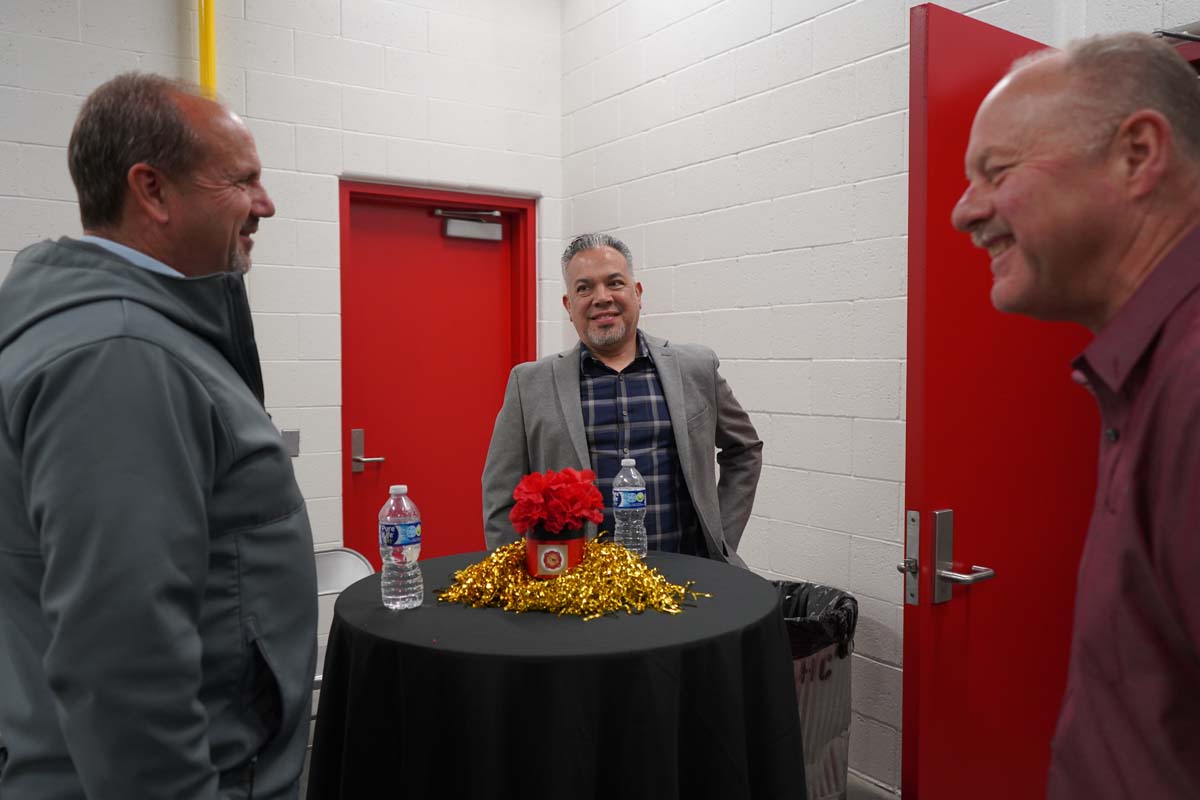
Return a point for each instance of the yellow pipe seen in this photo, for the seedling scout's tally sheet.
(208, 46)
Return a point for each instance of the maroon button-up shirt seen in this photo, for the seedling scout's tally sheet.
(1130, 720)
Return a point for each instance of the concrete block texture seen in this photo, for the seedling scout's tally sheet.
(875, 690)
(57, 65)
(773, 61)
(301, 195)
(255, 46)
(287, 99)
(385, 113)
(878, 449)
(275, 141)
(166, 28)
(332, 58)
(49, 18)
(1178, 12)
(44, 119)
(805, 553)
(875, 749)
(386, 23)
(318, 150)
(785, 13)
(314, 16)
(857, 388)
(880, 632)
(833, 502)
(859, 30)
(24, 221)
(42, 173)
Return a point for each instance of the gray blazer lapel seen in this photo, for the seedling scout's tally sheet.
(566, 384)
(671, 379)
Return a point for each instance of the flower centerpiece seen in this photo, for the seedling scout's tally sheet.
(550, 511)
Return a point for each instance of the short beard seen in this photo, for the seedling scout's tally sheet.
(239, 262)
(607, 338)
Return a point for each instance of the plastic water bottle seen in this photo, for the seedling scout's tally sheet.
(400, 546)
(629, 507)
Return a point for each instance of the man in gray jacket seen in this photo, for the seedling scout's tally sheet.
(622, 393)
(157, 588)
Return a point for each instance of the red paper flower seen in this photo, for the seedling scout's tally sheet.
(556, 500)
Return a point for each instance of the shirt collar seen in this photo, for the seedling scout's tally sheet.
(135, 257)
(585, 354)
(1121, 343)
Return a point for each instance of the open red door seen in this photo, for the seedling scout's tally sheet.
(999, 435)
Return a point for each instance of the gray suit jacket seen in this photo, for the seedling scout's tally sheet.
(540, 427)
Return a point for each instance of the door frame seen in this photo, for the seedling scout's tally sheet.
(521, 213)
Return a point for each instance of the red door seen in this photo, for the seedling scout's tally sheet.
(999, 434)
(431, 325)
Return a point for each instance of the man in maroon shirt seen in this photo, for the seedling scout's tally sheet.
(1084, 188)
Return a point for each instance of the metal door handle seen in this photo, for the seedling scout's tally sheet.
(907, 566)
(944, 576)
(357, 447)
(978, 575)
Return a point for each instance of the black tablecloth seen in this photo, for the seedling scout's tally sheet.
(447, 701)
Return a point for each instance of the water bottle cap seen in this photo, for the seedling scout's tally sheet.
(398, 488)
(628, 462)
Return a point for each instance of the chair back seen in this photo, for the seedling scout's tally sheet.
(338, 568)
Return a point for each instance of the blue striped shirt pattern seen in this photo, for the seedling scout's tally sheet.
(625, 415)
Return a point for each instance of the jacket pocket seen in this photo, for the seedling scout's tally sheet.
(700, 418)
(261, 694)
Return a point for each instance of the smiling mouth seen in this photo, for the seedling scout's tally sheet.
(607, 317)
(999, 246)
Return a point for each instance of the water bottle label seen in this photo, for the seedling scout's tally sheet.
(629, 498)
(399, 534)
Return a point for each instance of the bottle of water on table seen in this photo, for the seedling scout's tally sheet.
(629, 507)
(400, 546)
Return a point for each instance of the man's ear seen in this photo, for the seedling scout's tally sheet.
(1144, 144)
(148, 191)
(567, 305)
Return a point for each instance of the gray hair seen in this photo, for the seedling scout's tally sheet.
(128, 120)
(1119, 74)
(593, 241)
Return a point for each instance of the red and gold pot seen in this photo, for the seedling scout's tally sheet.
(548, 555)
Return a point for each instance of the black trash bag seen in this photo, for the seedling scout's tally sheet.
(817, 616)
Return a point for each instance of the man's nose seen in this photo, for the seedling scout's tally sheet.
(262, 205)
(973, 207)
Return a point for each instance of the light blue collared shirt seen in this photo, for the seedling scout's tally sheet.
(136, 257)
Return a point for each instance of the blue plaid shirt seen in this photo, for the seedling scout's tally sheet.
(625, 416)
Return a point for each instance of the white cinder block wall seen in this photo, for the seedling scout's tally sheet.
(753, 153)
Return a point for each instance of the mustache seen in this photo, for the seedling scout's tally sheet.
(984, 237)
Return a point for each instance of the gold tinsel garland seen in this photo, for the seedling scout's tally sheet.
(609, 578)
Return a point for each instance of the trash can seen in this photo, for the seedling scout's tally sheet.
(820, 623)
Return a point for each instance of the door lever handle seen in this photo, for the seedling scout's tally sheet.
(978, 575)
(357, 447)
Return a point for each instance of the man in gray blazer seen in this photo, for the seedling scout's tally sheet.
(622, 393)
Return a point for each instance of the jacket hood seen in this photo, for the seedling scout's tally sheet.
(50, 277)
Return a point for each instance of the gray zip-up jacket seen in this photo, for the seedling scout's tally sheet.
(157, 588)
